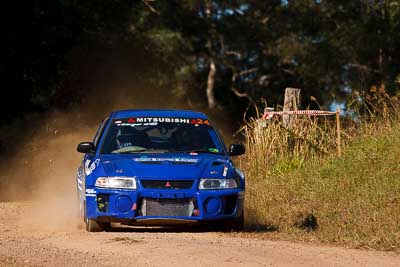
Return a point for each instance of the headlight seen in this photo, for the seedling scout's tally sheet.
(217, 183)
(116, 182)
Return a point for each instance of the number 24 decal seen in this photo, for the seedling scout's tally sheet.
(199, 121)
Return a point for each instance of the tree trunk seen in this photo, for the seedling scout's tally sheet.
(210, 85)
(212, 103)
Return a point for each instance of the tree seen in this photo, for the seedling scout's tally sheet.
(225, 54)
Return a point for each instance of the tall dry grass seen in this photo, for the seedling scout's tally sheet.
(270, 142)
(297, 186)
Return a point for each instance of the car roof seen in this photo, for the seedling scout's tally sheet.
(168, 113)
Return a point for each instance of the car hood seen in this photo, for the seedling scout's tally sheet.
(166, 166)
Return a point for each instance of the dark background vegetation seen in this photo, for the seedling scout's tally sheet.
(57, 54)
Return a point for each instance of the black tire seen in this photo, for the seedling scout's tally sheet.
(235, 225)
(93, 226)
(105, 225)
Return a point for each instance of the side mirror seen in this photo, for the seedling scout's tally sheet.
(86, 148)
(236, 150)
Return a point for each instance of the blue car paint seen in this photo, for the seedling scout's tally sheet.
(122, 205)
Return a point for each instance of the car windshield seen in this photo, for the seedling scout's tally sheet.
(161, 135)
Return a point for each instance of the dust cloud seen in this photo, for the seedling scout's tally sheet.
(42, 172)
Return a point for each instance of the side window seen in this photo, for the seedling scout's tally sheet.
(216, 135)
(100, 132)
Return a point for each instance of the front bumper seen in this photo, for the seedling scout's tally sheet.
(139, 205)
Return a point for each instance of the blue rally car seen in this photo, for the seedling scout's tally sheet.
(158, 167)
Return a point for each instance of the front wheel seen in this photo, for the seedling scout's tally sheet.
(236, 224)
(92, 226)
(95, 226)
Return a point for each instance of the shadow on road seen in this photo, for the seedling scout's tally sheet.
(190, 228)
(252, 228)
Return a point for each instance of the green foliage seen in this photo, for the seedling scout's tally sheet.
(286, 165)
(165, 43)
(327, 48)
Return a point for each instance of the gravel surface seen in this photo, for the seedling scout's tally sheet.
(27, 240)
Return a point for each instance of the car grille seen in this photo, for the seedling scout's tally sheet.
(174, 184)
(167, 207)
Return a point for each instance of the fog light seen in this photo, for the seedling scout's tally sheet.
(196, 212)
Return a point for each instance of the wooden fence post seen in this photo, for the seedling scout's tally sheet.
(338, 133)
(292, 102)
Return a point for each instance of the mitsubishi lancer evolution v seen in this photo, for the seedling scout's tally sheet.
(157, 167)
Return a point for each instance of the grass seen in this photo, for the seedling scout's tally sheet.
(304, 193)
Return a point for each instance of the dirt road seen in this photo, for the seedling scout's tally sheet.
(25, 241)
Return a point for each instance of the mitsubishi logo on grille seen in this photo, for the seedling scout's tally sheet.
(167, 184)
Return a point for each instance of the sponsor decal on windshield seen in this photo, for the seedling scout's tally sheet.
(155, 120)
(199, 121)
(189, 160)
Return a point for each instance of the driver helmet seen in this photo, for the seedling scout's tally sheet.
(126, 136)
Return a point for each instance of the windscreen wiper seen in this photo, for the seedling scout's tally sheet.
(210, 151)
(131, 152)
